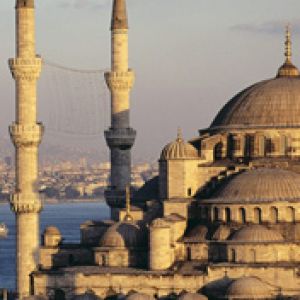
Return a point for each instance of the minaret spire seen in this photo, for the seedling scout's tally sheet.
(288, 44)
(26, 134)
(179, 134)
(119, 15)
(288, 69)
(120, 136)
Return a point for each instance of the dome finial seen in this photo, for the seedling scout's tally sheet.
(179, 134)
(288, 43)
(288, 69)
(128, 216)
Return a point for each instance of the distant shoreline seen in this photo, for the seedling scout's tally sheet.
(65, 201)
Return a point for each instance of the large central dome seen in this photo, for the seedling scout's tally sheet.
(270, 103)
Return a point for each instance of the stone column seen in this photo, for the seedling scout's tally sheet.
(26, 134)
(120, 137)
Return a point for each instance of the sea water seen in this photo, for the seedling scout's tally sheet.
(67, 217)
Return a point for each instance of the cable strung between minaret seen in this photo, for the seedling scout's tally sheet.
(120, 137)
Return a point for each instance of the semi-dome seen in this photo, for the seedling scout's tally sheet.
(179, 149)
(192, 296)
(256, 233)
(261, 184)
(124, 234)
(249, 288)
(139, 296)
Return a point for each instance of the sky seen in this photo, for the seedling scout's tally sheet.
(190, 57)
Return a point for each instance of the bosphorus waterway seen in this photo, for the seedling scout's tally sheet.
(67, 217)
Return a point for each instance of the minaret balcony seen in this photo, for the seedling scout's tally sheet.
(122, 138)
(26, 135)
(25, 203)
(120, 80)
(25, 68)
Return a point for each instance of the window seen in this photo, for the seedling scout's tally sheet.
(218, 151)
(257, 215)
(242, 215)
(216, 214)
(227, 215)
(274, 215)
(232, 255)
(291, 214)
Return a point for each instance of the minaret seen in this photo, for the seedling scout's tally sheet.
(120, 137)
(26, 135)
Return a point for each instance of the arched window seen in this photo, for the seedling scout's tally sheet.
(218, 151)
(257, 215)
(270, 146)
(59, 294)
(291, 217)
(252, 254)
(227, 215)
(206, 211)
(249, 146)
(232, 255)
(104, 262)
(274, 215)
(242, 215)
(216, 214)
(189, 253)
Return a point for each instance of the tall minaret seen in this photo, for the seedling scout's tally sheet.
(120, 137)
(26, 135)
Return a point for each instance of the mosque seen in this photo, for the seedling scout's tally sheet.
(220, 221)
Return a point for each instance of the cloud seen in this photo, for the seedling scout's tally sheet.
(270, 27)
(84, 4)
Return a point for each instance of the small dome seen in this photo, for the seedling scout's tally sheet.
(89, 295)
(257, 233)
(52, 230)
(179, 149)
(192, 296)
(222, 233)
(261, 184)
(124, 234)
(217, 288)
(51, 237)
(139, 296)
(249, 288)
(199, 232)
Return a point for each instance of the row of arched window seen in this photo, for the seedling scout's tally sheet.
(244, 215)
(251, 256)
(252, 147)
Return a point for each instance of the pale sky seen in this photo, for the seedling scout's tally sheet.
(190, 56)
